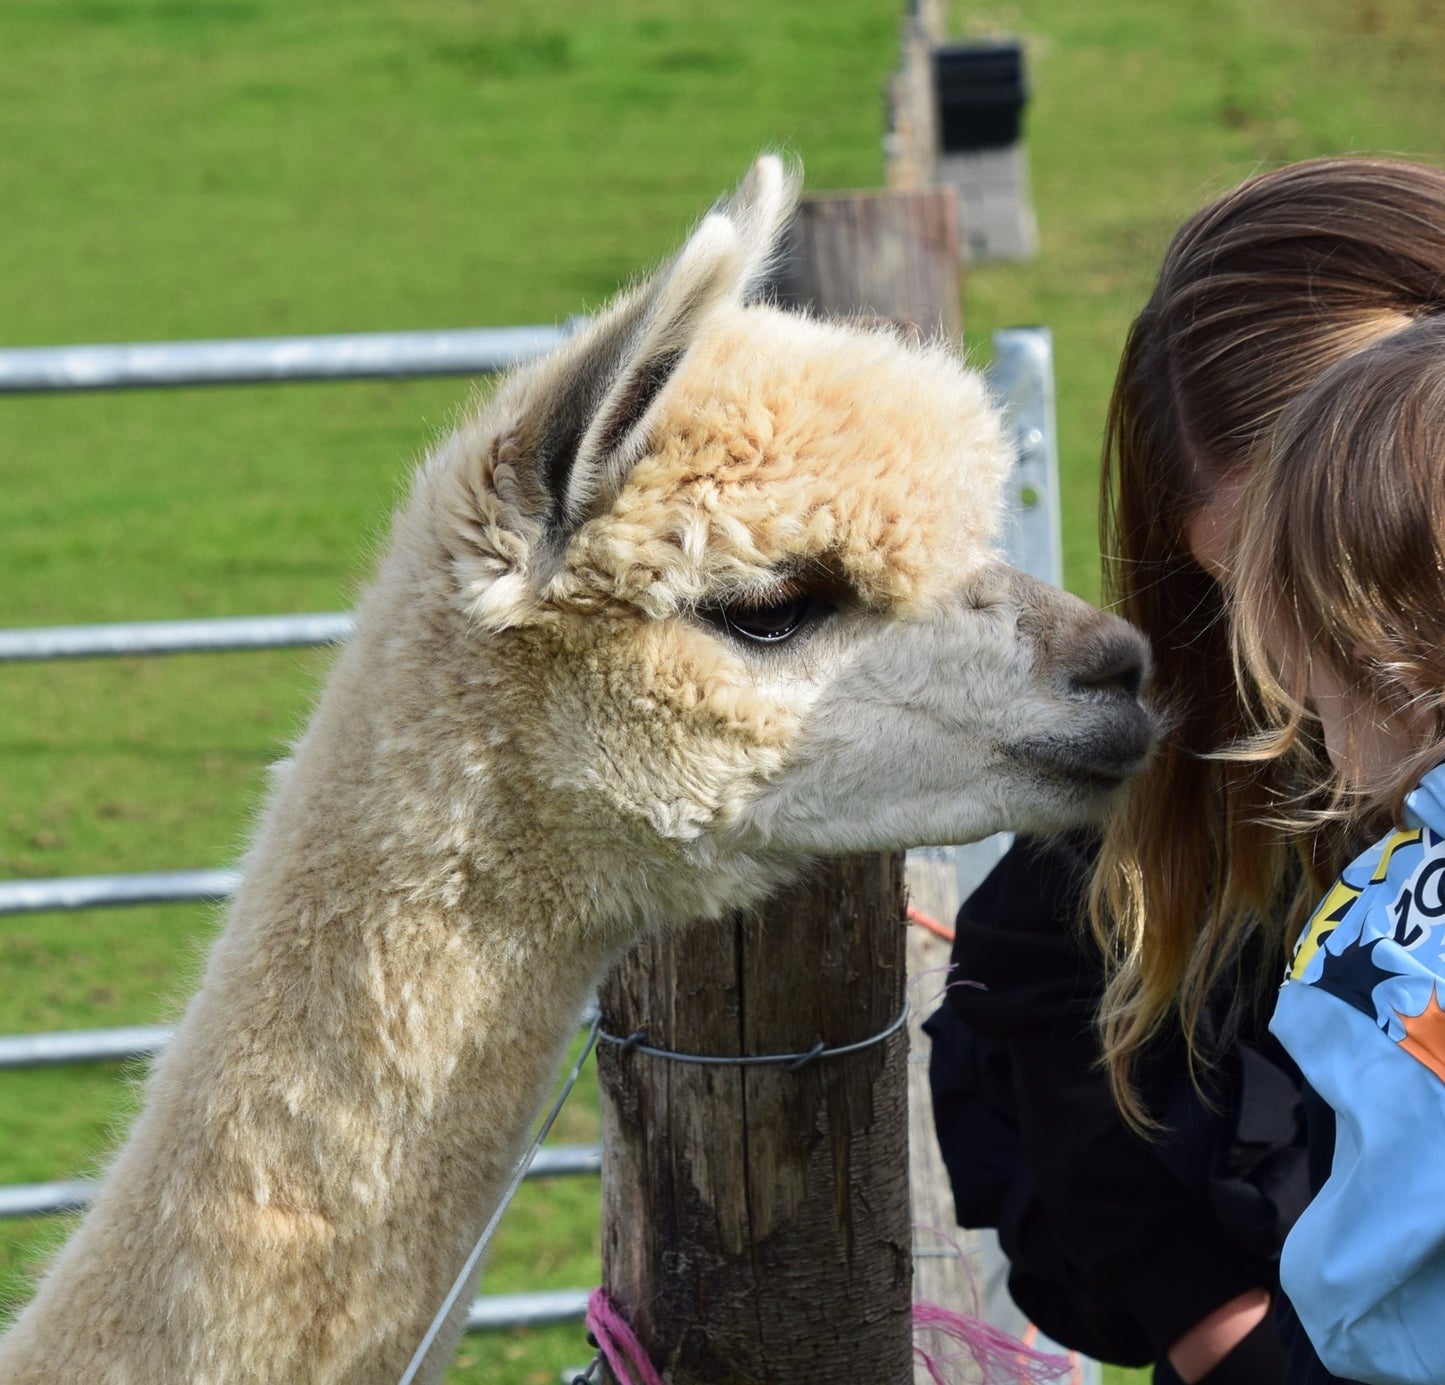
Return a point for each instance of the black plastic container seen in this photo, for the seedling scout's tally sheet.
(981, 95)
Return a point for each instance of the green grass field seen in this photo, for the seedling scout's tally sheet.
(193, 168)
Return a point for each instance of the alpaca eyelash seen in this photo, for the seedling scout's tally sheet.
(771, 618)
(790, 589)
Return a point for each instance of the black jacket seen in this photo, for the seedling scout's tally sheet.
(1117, 1243)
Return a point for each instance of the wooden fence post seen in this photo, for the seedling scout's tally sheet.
(911, 145)
(756, 1223)
(949, 1270)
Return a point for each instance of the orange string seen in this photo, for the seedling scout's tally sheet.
(923, 920)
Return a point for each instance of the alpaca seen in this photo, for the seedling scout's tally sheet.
(704, 595)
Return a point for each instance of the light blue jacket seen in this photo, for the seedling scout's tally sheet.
(1360, 1012)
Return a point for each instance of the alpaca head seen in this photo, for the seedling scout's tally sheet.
(731, 571)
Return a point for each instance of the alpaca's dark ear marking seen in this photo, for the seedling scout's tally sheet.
(578, 400)
(644, 386)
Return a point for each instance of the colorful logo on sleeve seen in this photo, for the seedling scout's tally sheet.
(1425, 1036)
(1377, 942)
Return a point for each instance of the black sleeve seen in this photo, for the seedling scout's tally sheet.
(1303, 1365)
(1116, 1242)
(1127, 1224)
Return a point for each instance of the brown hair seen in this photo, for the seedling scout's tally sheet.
(1341, 567)
(1259, 293)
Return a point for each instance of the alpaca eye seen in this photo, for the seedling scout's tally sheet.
(769, 624)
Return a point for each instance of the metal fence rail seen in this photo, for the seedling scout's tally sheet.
(104, 891)
(272, 360)
(541, 1308)
(60, 1047)
(42, 1199)
(218, 635)
(55, 1048)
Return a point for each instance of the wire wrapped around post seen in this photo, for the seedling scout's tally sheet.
(756, 1219)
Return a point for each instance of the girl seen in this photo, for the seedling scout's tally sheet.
(1339, 618)
(1150, 1248)
(1196, 895)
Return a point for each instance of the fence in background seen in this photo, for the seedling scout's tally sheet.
(272, 360)
(1022, 378)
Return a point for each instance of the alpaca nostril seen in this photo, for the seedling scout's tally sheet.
(1111, 667)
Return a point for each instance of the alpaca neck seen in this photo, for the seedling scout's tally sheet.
(336, 1119)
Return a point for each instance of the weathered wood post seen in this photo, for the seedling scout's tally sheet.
(941, 1274)
(756, 1221)
(911, 145)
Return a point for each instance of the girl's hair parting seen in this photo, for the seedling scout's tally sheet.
(1341, 566)
(1259, 293)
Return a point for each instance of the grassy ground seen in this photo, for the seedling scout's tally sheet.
(177, 168)
(1143, 111)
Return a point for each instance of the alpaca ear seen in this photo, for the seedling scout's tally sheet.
(593, 405)
(706, 271)
(761, 208)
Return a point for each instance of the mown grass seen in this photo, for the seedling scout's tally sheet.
(191, 168)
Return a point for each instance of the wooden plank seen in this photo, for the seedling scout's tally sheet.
(885, 254)
(950, 1280)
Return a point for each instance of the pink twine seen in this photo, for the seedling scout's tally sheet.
(996, 1355)
(615, 1337)
(963, 1255)
(988, 1354)
(930, 971)
(946, 970)
(938, 994)
(915, 984)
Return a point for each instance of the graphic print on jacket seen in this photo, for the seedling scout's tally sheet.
(1390, 976)
(1360, 1012)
